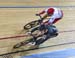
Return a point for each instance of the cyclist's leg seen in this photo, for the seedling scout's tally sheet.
(50, 33)
(40, 33)
(42, 40)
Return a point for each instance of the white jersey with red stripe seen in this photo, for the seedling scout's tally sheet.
(56, 14)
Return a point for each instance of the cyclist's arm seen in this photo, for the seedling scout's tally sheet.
(45, 16)
(42, 12)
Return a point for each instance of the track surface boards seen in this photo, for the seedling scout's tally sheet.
(12, 21)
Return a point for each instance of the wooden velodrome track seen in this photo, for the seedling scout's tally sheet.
(12, 21)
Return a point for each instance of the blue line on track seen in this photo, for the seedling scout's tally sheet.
(36, 6)
(66, 53)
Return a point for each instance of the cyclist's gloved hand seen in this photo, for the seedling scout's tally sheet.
(37, 14)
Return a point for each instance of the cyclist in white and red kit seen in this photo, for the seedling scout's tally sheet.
(55, 14)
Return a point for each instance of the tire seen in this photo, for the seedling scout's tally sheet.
(31, 25)
(18, 45)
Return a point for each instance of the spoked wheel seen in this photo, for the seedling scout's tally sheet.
(31, 25)
(23, 43)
